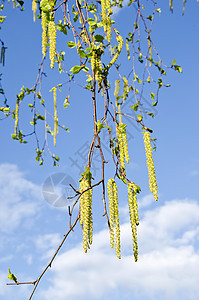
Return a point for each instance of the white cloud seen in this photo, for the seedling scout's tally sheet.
(47, 244)
(167, 268)
(19, 198)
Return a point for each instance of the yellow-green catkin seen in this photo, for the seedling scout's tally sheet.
(150, 164)
(44, 24)
(126, 88)
(121, 145)
(114, 216)
(86, 213)
(81, 201)
(16, 116)
(52, 41)
(117, 223)
(108, 7)
(127, 50)
(93, 60)
(106, 19)
(109, 12)
(98, 74)
(117, 89)
(96, 66)
(55, 114)
(125, 143)
(119, 49)
(122, 140)
(104, 15)
(108, 29)
(14, 3)
(150, 50)
(133, 212)
(34, 8)
(111, 211)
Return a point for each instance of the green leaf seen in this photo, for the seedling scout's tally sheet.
(140, 117)
(137, 189)
(5, 109)
(87, 174)
(150, 114)
(71, 44)
(148, 79)
(76, 69)
(81, 53)
(62, 28)
(177, 68)
(152, 96)
(134, 107)
(150, 17)
(66, 102)
(20, 2)
(98, 38)
(75, 18)
(150, 130)
(12, 276)
(99, 125)
(45, 5)
(14, 137)
(40, 117)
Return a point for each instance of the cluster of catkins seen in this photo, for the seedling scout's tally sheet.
(114, 215)
(106, 19)
(49, 33)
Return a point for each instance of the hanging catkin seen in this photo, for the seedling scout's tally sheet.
(114, 216)
(86, 213)
(34, 8)
(44, 24)
(16, 116)
(133, 212)
(52, 41)
(150, 164)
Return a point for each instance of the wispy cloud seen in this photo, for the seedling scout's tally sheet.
(19, 198)
(47, 244)
(168, 250)
(167, 267)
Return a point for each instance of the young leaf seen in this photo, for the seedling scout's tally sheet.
(140, 117)
(98, 38)
(12, 276)
(62, 28)
(71, 44)
(76, 69)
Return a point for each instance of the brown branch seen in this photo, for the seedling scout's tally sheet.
(36, 282)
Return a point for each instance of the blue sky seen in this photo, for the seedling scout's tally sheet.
(31, 229)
